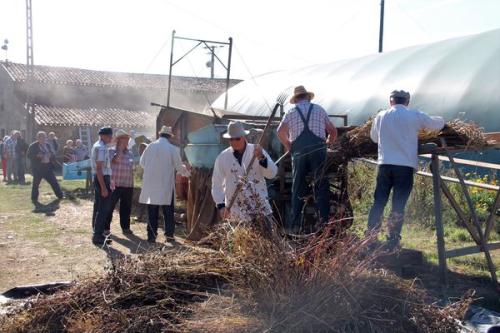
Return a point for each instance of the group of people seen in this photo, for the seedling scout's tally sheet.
(305, 132)
(239, 188)
(75, 151)
(13, 150)
(113, 173)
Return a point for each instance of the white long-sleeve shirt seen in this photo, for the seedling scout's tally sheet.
(160, 161)
(253, 196)
(396, 132)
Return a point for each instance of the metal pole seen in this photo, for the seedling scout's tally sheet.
(436, 181)
(170, 68)
(381, 31)
(212, 62)
(228, 70)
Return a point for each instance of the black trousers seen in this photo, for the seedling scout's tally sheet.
(21, 168)
(168, 216)
(44, 172)
(101, 209)
(124, 195)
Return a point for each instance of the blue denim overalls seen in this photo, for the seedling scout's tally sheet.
(308, 156)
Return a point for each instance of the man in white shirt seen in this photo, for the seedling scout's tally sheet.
(160, 161)
(101, 171)
(395, 130)
(230, 166)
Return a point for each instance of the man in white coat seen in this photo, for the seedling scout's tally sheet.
(160, 161)
(229, 170)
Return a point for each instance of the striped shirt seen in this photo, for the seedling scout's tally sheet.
(123, 169)
(10, 147)
(100, 153)
(317, 121)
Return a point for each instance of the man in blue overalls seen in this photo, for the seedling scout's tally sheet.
(303, 131)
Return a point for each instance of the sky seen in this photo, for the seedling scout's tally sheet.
(269, 35)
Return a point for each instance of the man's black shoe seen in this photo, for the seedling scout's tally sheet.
(102, 241)
(127, 232)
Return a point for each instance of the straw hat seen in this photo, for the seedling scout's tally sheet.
(166, 130)
(235, 130)
(298, 91)
(121, 133)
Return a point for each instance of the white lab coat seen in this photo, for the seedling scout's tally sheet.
(160, 161)
(253, 197)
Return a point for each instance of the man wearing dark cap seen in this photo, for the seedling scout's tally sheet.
(395, 130)
(305, 131)
(101, 172)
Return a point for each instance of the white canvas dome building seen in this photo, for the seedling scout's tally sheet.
(454, 78)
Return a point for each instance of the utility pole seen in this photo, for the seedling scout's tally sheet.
(211, 63)
(381, 31)
(30, 114)
(5, 47)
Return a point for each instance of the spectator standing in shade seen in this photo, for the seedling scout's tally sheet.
(81, 151)
(21, 149)
(53, 144)
(160, 161)
(101, 171)
(122, 181)
(3, 157)
(41, 157)
(10, 150)
(69, 155)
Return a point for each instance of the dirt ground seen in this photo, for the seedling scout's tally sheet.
(55, 243)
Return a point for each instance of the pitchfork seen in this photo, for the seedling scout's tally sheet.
(279, 102)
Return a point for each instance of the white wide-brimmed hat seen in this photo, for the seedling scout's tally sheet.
(119, 133)
(166, 130)
(235, 130)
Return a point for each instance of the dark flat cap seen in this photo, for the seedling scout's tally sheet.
(400, 94)
(106, 131)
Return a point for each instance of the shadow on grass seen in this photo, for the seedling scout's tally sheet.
(427, 275)
(47, 209)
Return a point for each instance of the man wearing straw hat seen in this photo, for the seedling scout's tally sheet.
(122, 181)
(396, 132)
(305, 132)
(160, 160)
(229, 169)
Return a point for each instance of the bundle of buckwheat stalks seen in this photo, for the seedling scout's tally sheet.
(357, 143)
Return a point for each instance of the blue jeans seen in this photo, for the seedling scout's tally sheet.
(312, 162)
(399, 179)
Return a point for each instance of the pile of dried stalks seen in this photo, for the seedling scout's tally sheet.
(357, 143)
(246, 283)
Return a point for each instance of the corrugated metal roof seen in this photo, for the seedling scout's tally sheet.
(86, 77)
(65, 116)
